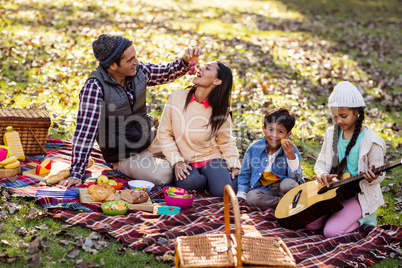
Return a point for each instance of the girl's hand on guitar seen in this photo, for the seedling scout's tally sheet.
(325, 178)
(370, 176)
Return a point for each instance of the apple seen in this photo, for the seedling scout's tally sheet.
(112, 182)
(103, 179)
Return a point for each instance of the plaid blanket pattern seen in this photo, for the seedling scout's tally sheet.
(156, 234)
(60, 151)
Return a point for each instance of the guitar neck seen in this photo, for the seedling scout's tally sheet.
(360, 176)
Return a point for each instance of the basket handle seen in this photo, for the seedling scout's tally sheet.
(228, 192)
(37, 141)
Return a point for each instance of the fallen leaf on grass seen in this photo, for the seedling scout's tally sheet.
(35, 260)
(82, 264)
(7, 259)
(22, 244)
(3, 215)
(41, 227)
(64, 242)
(22, 231)
(5, 242)
(33, 213)
(73, 253)
(44, 243)
(1, 227)
(33, 246)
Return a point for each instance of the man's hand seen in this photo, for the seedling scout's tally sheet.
(325, 178)
(70, 182)
(192, 54)
(180, 169)
(288, 148)
(234, 172)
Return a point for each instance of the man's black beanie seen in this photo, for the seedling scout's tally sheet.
(109, 48)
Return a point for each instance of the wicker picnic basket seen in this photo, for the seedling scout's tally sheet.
(32, 125)
(215, 250)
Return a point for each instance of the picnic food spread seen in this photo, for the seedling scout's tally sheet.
(63, 174)
(102, 192)
(134, 196)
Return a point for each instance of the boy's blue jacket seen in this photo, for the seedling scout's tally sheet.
(254, 163)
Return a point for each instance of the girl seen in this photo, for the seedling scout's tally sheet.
(349, 146)
(195, 132)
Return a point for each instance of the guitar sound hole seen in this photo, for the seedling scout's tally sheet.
(323, 190)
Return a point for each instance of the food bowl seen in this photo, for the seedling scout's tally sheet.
(178, 200)
(168, 210)
(141, 185)
(114, 212)
(118, 186)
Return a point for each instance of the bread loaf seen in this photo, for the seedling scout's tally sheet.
(134, 196)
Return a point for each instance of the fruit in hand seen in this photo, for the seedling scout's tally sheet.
(103, 179)
(191, 65)
(283, 140)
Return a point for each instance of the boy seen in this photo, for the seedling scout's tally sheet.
(271, 166)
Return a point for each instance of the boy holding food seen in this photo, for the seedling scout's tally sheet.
(271, 166)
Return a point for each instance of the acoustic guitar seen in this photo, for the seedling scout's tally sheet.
(311, 200)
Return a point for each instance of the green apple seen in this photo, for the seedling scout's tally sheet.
(112, 182)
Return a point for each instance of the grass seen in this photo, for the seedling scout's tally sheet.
(289, 52)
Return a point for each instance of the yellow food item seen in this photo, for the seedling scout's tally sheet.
(103, 179)
(12, 165)
(9, 160)
(12, 139)
(59, 176)
(112, 182)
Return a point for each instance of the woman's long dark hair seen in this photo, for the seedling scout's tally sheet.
(219, 98)
(340, 168)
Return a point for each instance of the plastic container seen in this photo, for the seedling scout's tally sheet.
(146, 186)
(181, 202)
(114, 212)
(168, 210)
(12, 139)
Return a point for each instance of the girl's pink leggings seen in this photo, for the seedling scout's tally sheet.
(341, 222)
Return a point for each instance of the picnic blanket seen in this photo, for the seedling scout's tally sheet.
(156, 234)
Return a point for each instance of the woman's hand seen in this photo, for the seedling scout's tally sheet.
(192, 54)
(70, 182)
(325, 178)
(370, 176)
(234, 172)
(180, 169)
(288, 148)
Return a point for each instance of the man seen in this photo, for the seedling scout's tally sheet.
(113, 111)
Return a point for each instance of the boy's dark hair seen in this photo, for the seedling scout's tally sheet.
(280, 116)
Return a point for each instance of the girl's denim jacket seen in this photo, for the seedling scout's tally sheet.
(254, 163)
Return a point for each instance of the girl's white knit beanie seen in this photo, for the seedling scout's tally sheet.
(345, 94)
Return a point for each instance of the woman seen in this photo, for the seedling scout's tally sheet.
(195, 132)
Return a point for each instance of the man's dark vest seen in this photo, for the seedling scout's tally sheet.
(124, 130)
